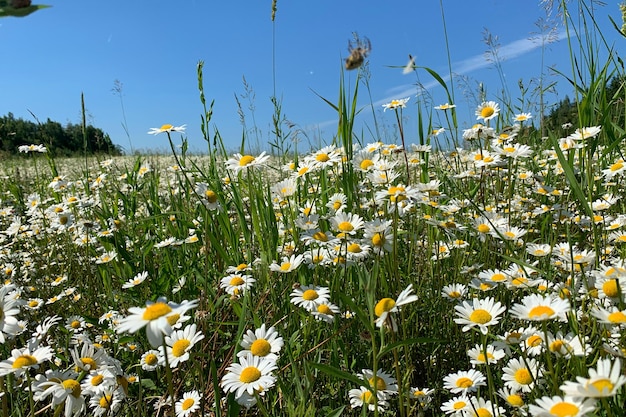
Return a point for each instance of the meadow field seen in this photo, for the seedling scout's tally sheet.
(481, 279)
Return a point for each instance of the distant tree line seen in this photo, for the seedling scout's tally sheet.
(611, 98)
(59, 140)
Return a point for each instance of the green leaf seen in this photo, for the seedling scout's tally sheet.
(407, 342)
(22, 11)
(338, 373)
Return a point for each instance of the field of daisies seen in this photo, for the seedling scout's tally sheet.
(361, 278)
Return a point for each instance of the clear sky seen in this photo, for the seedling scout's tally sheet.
(153, 47)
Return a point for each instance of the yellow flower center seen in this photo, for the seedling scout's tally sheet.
(556, 345)
(483, 412)
(236, 281)
(483, 228)
(378, 239)
(187, 404)
(324, 309)
(179, 347)
(378, 382)
(166, 127)
(260, 347)
(515, 400)
(320, 236)
(367, 397)
(285, 266)
(383, 306)
(564, 409)
(72, 385)
(310, 295)
(459, 405)
(323, 157)
(480, 316)
(97, 380)
(534, 340)
(354, 248)
(24, 361)
(610, 288)
(366, 164)
(540, 311)
(617, 317)
(498, 277)
(250, 374)
(75, 324)
(88, 363)
(523, 376)
(105, 401)
(211, 196)
(454, 294)
(246, 160)
(464, 382)
(481, 357)
(487, 112)
(345, 227)
(519, 281)
(603, 385)
(156, 310)
(617, 166)
(172, 319)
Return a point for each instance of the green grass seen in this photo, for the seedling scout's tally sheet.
(378, 229)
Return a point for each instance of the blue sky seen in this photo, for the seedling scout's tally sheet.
(153, 47)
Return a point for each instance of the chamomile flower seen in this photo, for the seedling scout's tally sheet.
(98, 380)
(158, 317)
(513, 398)
(106, 403)
(395, 104)
(251, 375)
(457, 405)
(22, 360)
(310, 296)
(484, 408)
(236, 284)
(326, 312)
(288, 264)
(454, 292)
(604, 381)
(386, 306)
(347, 223)
(535, 307)
(487, 110)
(241, 162)
(179, 343)
(585, 133)
(381, 381)
(363, 397)
(136, 280)
(151, 360)
(445, 106)
(481, 355)
(64, 388)
(561, 407)
(166, 128)
(480, 313)
(264, 343)
(611, 316)
(464, 381)
(188, 404)
(522, 374)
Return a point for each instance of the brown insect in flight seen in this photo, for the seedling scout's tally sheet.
(358, 51)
